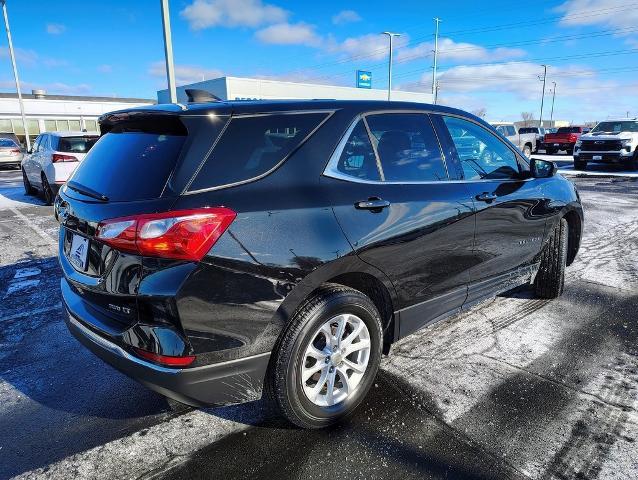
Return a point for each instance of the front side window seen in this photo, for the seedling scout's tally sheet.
(357, 158)
(253, 145)
(407, 146)
(482, 155)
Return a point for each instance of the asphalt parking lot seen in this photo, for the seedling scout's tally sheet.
(515, 388)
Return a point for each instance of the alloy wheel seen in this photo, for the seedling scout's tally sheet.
(335, 360)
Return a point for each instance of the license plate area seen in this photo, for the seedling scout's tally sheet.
(79, 252)
(597, 157)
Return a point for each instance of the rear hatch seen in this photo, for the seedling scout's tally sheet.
(138, 166)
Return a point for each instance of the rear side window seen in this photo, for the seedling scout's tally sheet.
(76, 144)
(253, 145)
(132, 161)
(5, 142)
(407, 147)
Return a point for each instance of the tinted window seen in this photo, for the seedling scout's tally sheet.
(568, 130)
(76, 144)
(357, 158)
(5, 142)
(511, 130)
(251, 146)
(130, 165)
(482, 155)
(528, 130)
(407, 147)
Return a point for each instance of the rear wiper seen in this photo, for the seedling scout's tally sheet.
(89, 192)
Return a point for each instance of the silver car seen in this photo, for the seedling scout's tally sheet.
(10, 153)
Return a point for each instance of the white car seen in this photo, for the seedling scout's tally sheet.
(612, 142)
(53, 158)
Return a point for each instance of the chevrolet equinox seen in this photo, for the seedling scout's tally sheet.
(217, 250)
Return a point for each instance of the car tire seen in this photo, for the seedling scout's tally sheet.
(633, 163)
(28, 188)
(550, 278)
(299, 353)
(47, 193)
(580, 165)
(527, 151)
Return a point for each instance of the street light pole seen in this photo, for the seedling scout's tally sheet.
(551, 117)
(540, 120)
(15, 73)
(168, 51)
(437, 20)
(391, 35)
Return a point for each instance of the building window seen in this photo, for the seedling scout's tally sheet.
(49, 126)
(91, 125)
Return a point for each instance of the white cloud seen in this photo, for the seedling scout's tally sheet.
(25, 57)
(105, 68)
(611, 13)
(458, 51)
(203, 14)
(375, 47)
(55, 28)
(59, 88)
(346, 16)
(371, 46)
(289, 34)
(184, 74)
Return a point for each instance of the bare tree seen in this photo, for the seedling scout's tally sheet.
(480, 112)
(527, 118)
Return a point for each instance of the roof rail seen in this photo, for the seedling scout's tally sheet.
(196, 95)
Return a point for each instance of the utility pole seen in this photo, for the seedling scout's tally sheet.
(168, 51)
(391, 35)
(15, 73)
(437, 20)
(551, 117)
(540, 120)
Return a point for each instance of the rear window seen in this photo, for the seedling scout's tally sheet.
(132, 161)
(5, 142)
(528, 130)
(253, 145)
(76, 144)
(568, 130)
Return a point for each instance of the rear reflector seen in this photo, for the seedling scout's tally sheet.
(58, 157)
(182, 234)
(165, 360)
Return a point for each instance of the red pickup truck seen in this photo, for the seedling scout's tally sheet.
(564, 139)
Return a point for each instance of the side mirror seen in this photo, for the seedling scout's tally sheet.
(542, 168)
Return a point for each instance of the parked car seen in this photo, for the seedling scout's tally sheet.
(539, 133)
(286, 245)
(53, 158)
(10, 153)
(611, 141)
(526, 142)
(564, 139)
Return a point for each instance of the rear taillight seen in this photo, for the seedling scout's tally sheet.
(166, 360)
(14, 151)
(182, 234)
(58, 157)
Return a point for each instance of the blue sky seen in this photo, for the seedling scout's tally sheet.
(490, 57)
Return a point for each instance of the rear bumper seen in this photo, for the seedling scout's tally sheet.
(235, 381)
(557, 145)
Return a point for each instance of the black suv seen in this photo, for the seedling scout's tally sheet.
(217, 249)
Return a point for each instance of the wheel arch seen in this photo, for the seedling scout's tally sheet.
(574, 229)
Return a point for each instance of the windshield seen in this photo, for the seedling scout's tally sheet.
(616, 127)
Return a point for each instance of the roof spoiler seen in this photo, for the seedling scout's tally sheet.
(196, 95)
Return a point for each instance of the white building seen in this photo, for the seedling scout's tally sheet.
(235, 88)
(50, 113)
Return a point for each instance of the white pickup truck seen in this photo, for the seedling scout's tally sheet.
(526, 142)
(611, 141)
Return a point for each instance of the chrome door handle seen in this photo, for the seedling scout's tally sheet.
(486, 197)
(374, 204)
